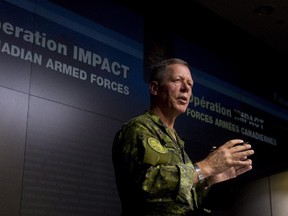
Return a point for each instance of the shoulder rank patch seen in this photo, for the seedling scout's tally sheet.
(156, 145)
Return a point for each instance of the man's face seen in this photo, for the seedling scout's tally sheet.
(176, 89)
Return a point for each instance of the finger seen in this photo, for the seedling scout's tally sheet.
(240, 163)
(244, 158)
(232, 143)
(243, 154)
(241, 147)
(242, 170)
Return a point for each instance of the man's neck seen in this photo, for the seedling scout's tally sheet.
(166, 117)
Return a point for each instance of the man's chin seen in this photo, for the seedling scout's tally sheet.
(182, 109)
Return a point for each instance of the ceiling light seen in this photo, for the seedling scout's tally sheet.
(264, 10)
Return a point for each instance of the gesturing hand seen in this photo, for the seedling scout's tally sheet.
(228, 161)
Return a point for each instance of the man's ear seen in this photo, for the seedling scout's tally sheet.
(154, 87)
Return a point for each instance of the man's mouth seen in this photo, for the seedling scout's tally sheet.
(183, 100)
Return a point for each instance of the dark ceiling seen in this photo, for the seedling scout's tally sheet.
(248, 34)
(231, 30)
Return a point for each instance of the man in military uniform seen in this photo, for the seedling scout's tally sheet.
(154, 175)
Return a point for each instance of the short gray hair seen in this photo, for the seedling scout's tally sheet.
(159, 69)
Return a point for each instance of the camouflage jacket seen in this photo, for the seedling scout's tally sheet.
(154, 175)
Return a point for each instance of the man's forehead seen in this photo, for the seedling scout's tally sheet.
(178, 70)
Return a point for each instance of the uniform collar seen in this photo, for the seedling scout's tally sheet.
(156, 119)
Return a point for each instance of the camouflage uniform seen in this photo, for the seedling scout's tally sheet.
(154, 175)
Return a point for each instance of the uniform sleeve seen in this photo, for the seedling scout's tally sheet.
(157, 168)
(154, 170)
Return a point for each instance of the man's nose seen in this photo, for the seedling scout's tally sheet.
(186, 86)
